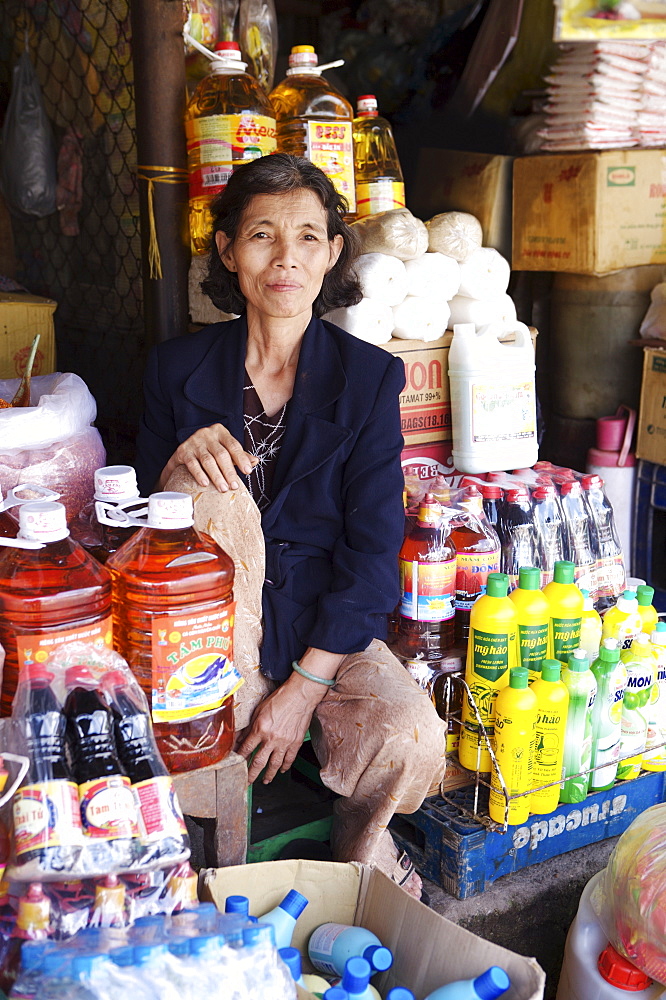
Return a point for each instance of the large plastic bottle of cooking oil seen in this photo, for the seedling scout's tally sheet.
(229, 120)
(173, 618)
(51, 590)
(379, 183)
(314, 120)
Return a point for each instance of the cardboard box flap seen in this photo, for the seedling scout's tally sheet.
(25, 299)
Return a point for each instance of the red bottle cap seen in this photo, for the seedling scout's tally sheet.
(570, 486)
(588, 482)
(515, 496)
(491, 492)
(79, 675)
(620, 972)
(227, 47)
(114, 679)
(496, 477)
(37, 672)
(542, 492)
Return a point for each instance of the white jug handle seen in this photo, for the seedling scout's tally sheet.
(12, 500)
(116, 517)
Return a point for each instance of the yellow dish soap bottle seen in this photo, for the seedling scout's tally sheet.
(648, 613)
(654, 758)
(533, 616)
(515, 721)
(547, 764)
(566, 611)
(623, 622)
(379, 183)
(491, 653)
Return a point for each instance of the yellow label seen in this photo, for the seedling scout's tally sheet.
(215, 145)
(330, 147)
(382, 195)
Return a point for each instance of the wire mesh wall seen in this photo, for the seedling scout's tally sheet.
(87, 257)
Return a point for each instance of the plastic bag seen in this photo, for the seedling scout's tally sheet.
(28, 158)
(52, 442)
(397, 233)
(258, 38)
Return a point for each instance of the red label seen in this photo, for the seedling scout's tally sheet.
(472, 569)
(37, 648)
(108, 808)
(46, 815)
(160, 811)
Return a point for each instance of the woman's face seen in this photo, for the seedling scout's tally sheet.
(281, 253)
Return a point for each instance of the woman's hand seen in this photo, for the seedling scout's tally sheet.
(211, 455)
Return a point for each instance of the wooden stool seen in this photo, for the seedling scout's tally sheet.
(219, 792)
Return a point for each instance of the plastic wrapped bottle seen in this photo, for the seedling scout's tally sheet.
(492, 503)
(549, 520)
(379, 183)
(610, 574)
(582, 542)
(114, 484)
(519, 535)
(582, 687)
(32, 924)
(477, 554)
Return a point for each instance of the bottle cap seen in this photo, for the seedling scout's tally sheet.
(517, 494)
(258, 934)
(294, 903)
(366, 105)
(491, 983)
(148, 952)
(491, 492)
(170, 510)
(399, 993)
(79, 676)
(642, 639)
(34, 910)
(658, 637)
(179, 946)
(292, 959)
(227, 57)
(497, 585)
(578, 661)
(570, 486)
(43, 521)
(115, 482)
(430, 510)
(564, 571)
(609, 650)
(122, 956)
(529, 578)
(336, 993)
(227, 47)
(550, 670)
(32, 953)
(518, 677)
(620, 972)
(37, 672)
(644, 595)
(356, 975)
(302, 57)
(543, 492)
(628, 602)
(380, 958)
(592, 482)
(237, 904)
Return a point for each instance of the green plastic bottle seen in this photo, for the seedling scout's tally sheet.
(648, 613)
(566, 611)
(582, 687)
(611, 675)
(533, 616)
(552, 707)
(640, 662)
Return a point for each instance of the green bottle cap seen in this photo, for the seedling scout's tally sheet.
(578, 661)
(610, 651)
(629, 595)
(660, 627)
(497, 585)
(645, 595)
(529, 578)
(518, 677)
(584, 592)
(550, 670)
(564, 571)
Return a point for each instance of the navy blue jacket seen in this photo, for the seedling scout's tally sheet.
(335, 525)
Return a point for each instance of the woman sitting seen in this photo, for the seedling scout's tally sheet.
(307, 417)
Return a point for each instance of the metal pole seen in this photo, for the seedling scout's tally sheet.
(160, 94)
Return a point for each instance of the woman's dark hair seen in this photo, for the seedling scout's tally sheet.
(280, 173)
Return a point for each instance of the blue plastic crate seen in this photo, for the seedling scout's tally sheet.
(649, 548)
(464, 857)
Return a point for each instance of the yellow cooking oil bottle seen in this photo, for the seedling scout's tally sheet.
(533, 617)
(646, 610)
(229, 120)
(623, 621)
(379, 183)
(566, 611)
(547, 764)
(314, 120)
(515, 728)
(654, 758)
(491, 653)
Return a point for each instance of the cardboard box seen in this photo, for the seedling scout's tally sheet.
(425, 402)
(21, 317)
(451, 180)
(589, 213)
(429, 950)
(651, 441)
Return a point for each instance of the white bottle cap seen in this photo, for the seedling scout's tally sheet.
(115, 482)
(642, 639)
(303, 59)
(366, 105)
(227, 57)
(579, 654)
(170, 510)
(43, 521)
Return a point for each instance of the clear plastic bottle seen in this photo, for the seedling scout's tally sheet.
(114, 485)
(582, 545)
(610, 564)
(314, 120)
(48, 593)
(477, 555)
(582, 687)
(550, 526)
(173, 613)
(519, 535)
(229, 120)
(379, 183)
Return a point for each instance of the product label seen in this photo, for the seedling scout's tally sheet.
(159, 811)
(549, 749)
(532, 646)
(503, 412)
(193, 668)
(330, 147)
(566, 637)
(635, 712)
(47, 815)
(655, 758)
(610, 576)
(427, 590)
(36, 648)
(320, 947)
(472, 569)
(514, 750)
(108, 808)
(218, 143)
(490, 653)
(382, 195)
(606, 748)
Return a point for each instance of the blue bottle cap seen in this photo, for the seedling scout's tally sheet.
(179, 945)
(122, 956)
(292, 959)
(84, 966)
(258, 934)
(399, 993)
(294, 903)
(237, 904)
(150, 920)
(55, 963)
(336, 993)
(204, 910)
(491, 983)
(146, 952)
(380, 958)
(32, 953)
(201, 943)
(356, 975)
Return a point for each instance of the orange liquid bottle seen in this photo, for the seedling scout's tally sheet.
(114, 485)
(173, 620)
(478, 554)
(48, 593)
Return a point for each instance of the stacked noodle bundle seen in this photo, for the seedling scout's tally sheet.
(652, 113)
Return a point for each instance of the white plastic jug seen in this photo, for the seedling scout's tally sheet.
(580, 978)
(493, 399)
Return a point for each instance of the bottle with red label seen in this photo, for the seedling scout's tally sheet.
(379, 183)
(114, 484)
(610, 575)
(427, 564)
(521, 542)
(163, 830)
(51, 591)
(32, 924)
(581, 540)
(107, 804)
(477, 555)
(229, 121)
(173, 614)
(48, 836)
